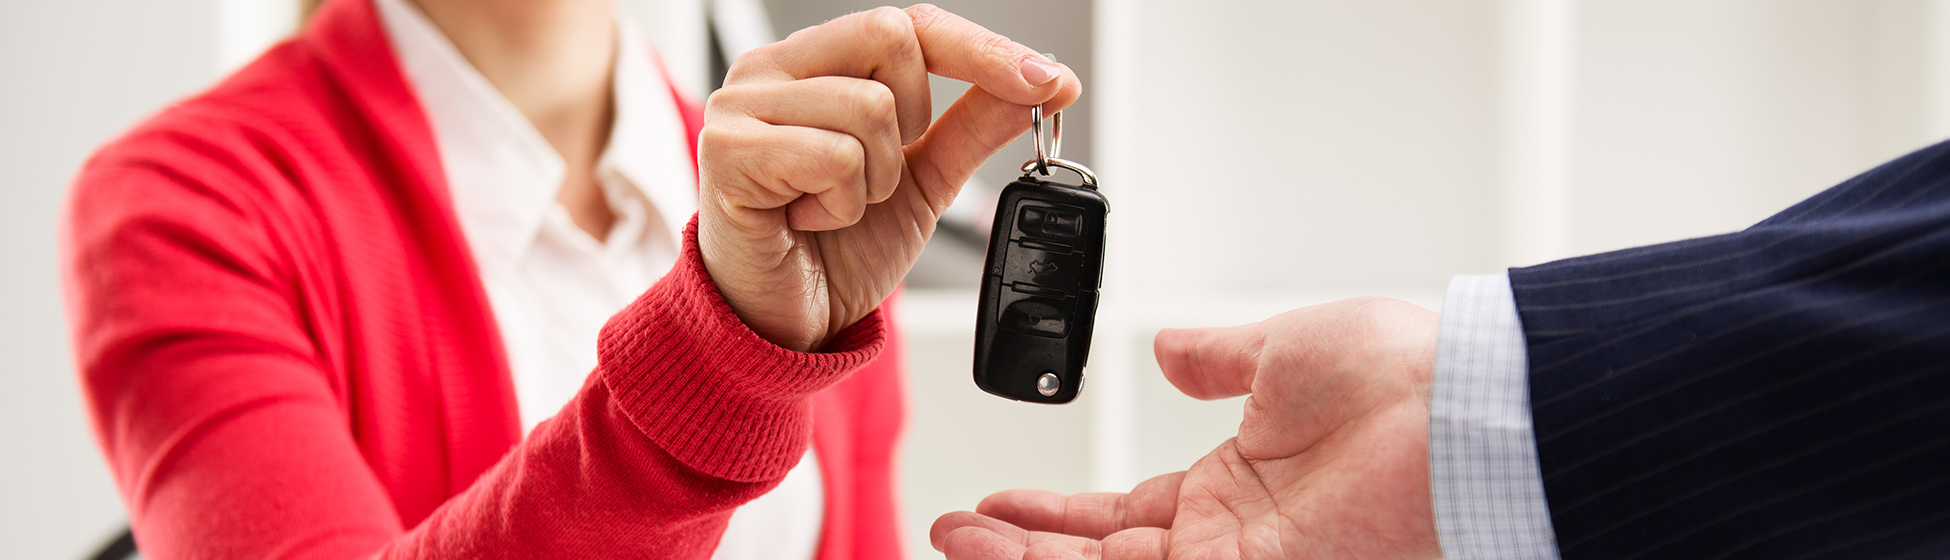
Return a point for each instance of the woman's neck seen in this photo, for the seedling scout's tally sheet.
(552, 59)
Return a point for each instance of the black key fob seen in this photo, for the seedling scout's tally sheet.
(1039, 291)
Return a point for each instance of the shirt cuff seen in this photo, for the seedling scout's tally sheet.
(1489, 493)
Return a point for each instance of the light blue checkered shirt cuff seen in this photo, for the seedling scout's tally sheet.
(1489, 494)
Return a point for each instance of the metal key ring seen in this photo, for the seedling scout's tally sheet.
(1055, 138)
(1042, 166)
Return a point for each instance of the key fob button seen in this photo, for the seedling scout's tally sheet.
(1050, 223)
(1048, 269)
(1040, 316)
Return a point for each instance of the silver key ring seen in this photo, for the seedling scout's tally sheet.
(1055, 137)
(1089, 177)
(1045, 159)
(1055, 133)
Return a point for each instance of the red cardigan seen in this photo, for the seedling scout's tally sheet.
(287, 351)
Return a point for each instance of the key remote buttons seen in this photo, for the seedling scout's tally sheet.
(1038, 303)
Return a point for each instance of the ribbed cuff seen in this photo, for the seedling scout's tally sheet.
(708, 390)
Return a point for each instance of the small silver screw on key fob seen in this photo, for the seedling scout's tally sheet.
(1039, 289)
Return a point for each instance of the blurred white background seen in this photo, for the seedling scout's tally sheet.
(1258, 155)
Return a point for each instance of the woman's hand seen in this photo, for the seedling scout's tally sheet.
(822, 176)
(1331, 460)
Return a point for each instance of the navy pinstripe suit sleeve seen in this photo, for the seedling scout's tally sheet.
(1782, 392)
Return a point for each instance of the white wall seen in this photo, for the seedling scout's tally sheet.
(1707, 123)
(1259, 156)
(72, 74)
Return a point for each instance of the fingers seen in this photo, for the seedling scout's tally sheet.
(968, 133)
(1085, 515)
(877, 44)
(1052, 551)
(1154, 502)
(970, 536)
(763, 167)
(1142, 543)
(1095, 516)
(973, 543)
(1211, 363)
(863, 109)
(980, 536)
(976, 543)
(960, 49)
(897, 49)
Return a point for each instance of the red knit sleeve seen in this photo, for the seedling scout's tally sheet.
(689, 415)
(217, 416)
(708, 390)
(227, 432)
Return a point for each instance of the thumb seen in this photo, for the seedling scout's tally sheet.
(1211, 363)
(974, 128)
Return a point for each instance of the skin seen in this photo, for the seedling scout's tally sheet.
(821, 173)
(823, 176)
(1331, 460)
(552, 59)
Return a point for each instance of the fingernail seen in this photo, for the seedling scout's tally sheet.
(1037, 72)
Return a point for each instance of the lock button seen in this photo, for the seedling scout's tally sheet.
(1049, 269)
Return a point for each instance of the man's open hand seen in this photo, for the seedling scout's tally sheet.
(1330, 462)
(822, 177)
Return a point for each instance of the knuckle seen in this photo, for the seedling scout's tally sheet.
(734, 100)
(876, 100)
(715, 137)
(845, 160)
(888, 26)
(723, 97)
(890, 17)
(923, 14)
(801, 32)
(753, 63)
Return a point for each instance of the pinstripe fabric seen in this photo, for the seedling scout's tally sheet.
(1781, 392)
(1482, 455)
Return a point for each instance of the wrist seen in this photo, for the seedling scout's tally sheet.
(702, 385)
(773, 296)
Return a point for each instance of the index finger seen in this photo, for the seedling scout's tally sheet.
(957, 48)
(1152, 504)
(877, 44)
(962, 534)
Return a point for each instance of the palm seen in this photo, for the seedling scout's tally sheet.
(1330, 462)
(1225, 510)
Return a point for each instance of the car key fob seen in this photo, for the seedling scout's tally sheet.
(1039, 289)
